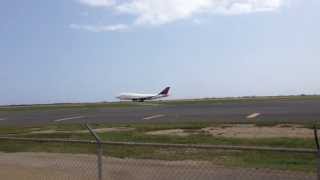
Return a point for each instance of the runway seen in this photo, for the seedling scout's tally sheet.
(271, 110)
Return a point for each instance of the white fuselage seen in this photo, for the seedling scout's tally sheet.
(143, 97)
(137, 96)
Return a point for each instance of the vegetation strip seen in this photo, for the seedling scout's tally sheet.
(257, 99)
(226, 147)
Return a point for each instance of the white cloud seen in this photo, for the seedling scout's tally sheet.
(162, 11)
(166, 11)
(100, 28)
(157, 12)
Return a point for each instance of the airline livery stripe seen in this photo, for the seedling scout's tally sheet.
(154, 117)
(70, 118)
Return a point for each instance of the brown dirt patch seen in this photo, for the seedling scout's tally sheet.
(102, 130)
(251, 131)
(171, 132)
(244, 131)
(52, 166)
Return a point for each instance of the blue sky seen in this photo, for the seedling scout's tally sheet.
(92, 50)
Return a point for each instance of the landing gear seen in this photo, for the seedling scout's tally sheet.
(137, 100)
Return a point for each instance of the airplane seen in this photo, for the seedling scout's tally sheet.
(135, 97)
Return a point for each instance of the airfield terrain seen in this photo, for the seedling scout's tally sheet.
(273, 122)
(295, 109)
(45, 166)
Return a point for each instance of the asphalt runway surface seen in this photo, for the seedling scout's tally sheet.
(271, 110)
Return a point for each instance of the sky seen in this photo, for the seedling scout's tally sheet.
(92, 50)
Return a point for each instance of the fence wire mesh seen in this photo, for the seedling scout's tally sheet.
(29, 160)
(24, 160)
(167, 163)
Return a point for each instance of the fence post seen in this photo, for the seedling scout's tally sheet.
(315, 131)
(99, 151)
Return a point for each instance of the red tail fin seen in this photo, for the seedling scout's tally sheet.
(165, 91)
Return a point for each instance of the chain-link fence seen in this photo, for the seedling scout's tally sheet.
(193, 162)
(56, 159)
(60, 159)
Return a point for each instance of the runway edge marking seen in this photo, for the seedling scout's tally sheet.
(254, 115)
(69, 118)
(154, 117)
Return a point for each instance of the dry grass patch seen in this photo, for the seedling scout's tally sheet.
(243, 131)
(171, 132)
(252, 131)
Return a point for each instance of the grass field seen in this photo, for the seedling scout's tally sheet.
(139, 133)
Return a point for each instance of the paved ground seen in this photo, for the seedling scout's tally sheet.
(292, 110)
(40, 166)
